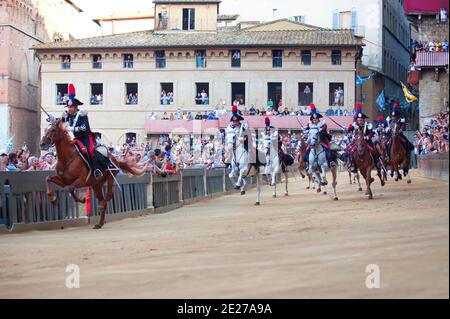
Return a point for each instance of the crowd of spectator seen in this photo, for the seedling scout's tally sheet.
(252, 111)
(434, 136)
(61, 99)
(97, 99)
(132, 98)
(23, 161)
(430, 46)
(166, 98)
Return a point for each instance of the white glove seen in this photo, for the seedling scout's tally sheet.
(70, 128)
(51, 118)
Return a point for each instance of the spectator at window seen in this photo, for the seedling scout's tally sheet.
(198, 99)
(204, 97)
(205, 115)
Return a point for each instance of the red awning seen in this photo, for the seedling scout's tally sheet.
(431, 59)
(429, 6)
(201, 126)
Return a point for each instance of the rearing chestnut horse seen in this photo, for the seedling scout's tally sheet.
(73, 173)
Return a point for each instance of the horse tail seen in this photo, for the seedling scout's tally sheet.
(129, 168)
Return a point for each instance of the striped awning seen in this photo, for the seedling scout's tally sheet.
(431, 59)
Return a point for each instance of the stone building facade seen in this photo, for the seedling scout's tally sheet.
(275, 61)
(429, 23)
(24, 24)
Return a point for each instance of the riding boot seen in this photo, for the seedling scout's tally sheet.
(96, 168)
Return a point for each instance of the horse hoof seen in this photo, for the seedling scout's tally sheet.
(237, 187)
(318, 190)
(325, 193)
(98, 226)
(409, 181)
(257, 204)
(243, 193)
(360, 189)
(372, 180)
(382, 183)
(335, 198)
(396, 179)
(274, 196)
(286, 194)
(307, 187)
(370, 197)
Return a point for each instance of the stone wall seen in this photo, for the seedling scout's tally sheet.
(434, 166)
(433, 94)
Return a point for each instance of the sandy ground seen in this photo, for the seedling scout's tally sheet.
(301, 246)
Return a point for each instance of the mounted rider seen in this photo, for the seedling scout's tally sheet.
(78, 123)
(324, 136)
(270, 138)
(366, 129)
(237, 129)
(394, 120)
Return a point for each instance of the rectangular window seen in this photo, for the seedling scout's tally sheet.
(65, 61)
(336, 57)
(235, 58)
(306, 57)
(238, 93)
(61, 93)
(96, 61)
(131, 93)
(345, 19)
(188, 19)
(305, 93)
(202, 93)
(128, 61)
(277, 58)
(96, 94)
(166, 94)
(275, 95)
(200, 58)
(336, 93)
(160, 59)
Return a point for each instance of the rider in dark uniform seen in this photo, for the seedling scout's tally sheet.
(78, 123)
(401, 123)
(362, 127)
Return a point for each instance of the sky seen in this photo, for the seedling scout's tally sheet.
(247, 9)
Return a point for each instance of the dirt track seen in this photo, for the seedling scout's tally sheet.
(303, 246)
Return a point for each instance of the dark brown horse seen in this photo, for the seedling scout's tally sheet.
(384, 155)
(365, 163)
(400, 157)
(73, 173)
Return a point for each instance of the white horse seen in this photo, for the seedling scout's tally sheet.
(240, 166)
(274, 166)
(318, 163)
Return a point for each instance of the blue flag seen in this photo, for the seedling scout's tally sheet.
(381, 101)
(360, 80)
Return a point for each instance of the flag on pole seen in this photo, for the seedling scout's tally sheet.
(408, 95)
(381, 101)
(360, 80)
